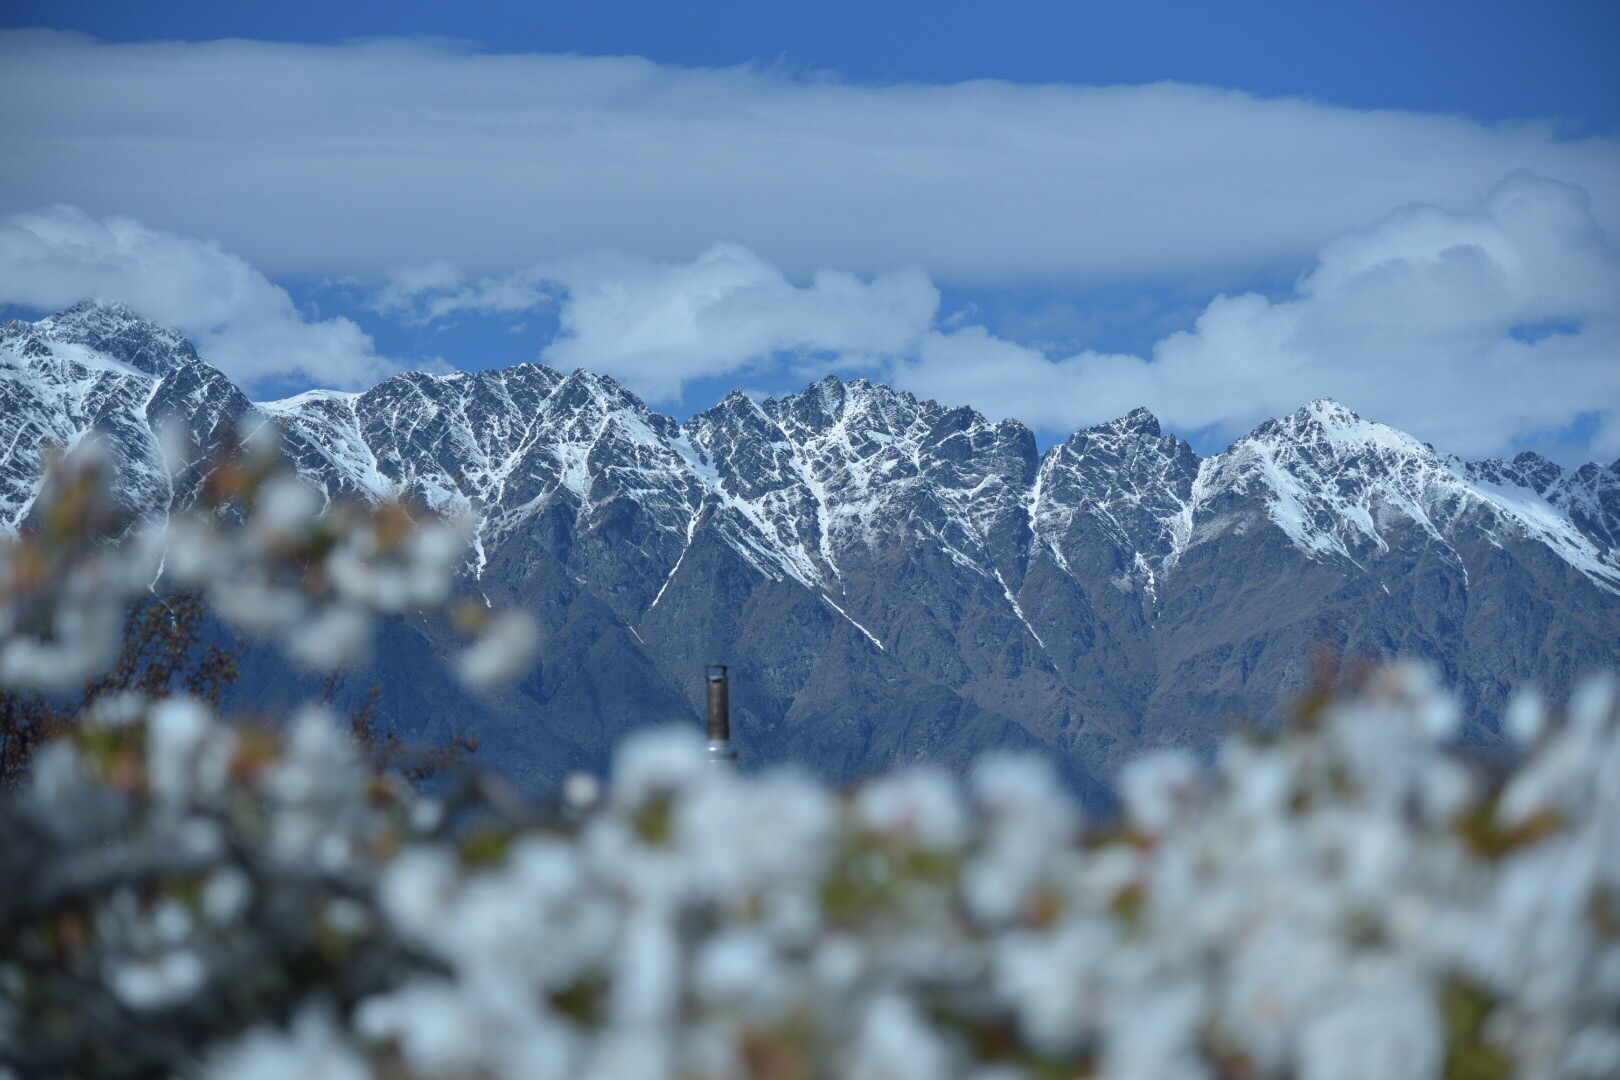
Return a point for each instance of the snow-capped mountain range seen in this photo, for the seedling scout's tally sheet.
(914, 577)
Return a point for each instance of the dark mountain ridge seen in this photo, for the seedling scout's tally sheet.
(891, 579)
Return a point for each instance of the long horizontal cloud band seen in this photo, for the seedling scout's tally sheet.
(358, 158)
(1477, 331)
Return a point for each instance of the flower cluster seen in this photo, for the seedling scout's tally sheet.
(1347, 897)
(269, 553)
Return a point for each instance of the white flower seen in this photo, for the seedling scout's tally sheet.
(1526, 716)
(254, 604)
(1031, 824)
(739, 969)
(433, 552)
(922, 805)
(158, 981)
(1157, 787)
(432, 1024)
(1275, 978)
(581, 790)
(116, 710)
(535, 919)
(176, 729)
(740, 835)
(487, 1027)
(1593, 1053)
(335, 638)
(1415, 689)
(895, 1043)
(417, 889)
(1056, 981)
(197, 554)
(226, 894)
(647, 986)
(502, 653)
(319, 758)
(1152, 1033)
(1391, 1032)
(315, 1049)
(284, 511)
(658, 761)
(87, 630)
(58, 781)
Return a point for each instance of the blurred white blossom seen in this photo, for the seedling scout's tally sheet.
(1291, 910)
(1347, 897)
(503, 653)
(313, 1049)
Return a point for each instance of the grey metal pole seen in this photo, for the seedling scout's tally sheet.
(721, 752)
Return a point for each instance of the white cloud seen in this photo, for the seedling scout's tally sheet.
(354, 160)
(239, 320)
(1418, 321)
(656, 326)
(437, 289)
(350, 160)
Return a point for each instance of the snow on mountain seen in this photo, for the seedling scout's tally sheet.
(117, 334)
(506, 446)
(1587, 497)
(1339, 485)
(1124, 480)
(53, 393)
(915, 577)
(880, 460)
(799, 482)
(745, 459)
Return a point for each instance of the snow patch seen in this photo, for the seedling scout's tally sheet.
(869, 635)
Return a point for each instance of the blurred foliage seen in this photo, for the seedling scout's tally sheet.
(190, 894)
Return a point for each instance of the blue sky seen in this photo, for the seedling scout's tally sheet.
(1051, 211)
(1491, 59)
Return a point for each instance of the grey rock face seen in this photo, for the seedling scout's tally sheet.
(116, 332)
(890, 579)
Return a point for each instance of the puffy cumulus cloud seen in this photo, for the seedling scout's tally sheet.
(437, 289)
(1478, 331)
(240, 321)
(657, 325)
(349, 160)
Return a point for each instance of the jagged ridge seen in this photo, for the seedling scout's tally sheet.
(904, 520)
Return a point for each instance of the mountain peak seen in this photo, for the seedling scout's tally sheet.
(890, 576)
(1326, 426)
(1328, 412)
(1327, 404)
(120, 332)
(1138, 421)
(91, 307)
(1526, 469)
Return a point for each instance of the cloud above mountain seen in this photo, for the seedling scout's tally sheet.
(243, 323)
(354, 159)
(657, 326)
(1454, 278)
(1479, 330)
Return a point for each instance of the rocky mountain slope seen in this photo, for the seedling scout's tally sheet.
(890, 578)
